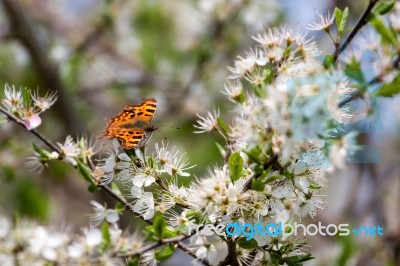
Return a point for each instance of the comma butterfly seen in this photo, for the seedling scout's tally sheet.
(132, 126)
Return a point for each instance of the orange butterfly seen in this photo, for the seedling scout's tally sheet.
(132, 126)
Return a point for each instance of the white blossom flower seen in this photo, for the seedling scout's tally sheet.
(35, 163)
(13, 100)
(69, 150)
(284, 190)
(101, 214)
(44, 102)
(176, 220)
(137, 192)
(143, 177)
(214, 250)
(148, 258)
(178, 166)
(246, 64)
(144, 206)
(165, 154)
(113, 162)
(309, 205)
(323, 24)
(234, 90)
(87, 147)
(207, 123)
(92, 237)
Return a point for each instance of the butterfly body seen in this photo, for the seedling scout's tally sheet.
(132, 126)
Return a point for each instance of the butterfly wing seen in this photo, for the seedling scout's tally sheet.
(144, 111)
(130, 125)
(130, 138)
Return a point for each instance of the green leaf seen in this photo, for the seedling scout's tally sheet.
(247, 244)
(165, 252)
(257, 185)
(105, 233)
(341, 19)
(159, 230)
(329, 61)
(159, 225)
(240, 98)
(254, 154)
(43, 153)
(297, 260)
(380, 26)
(276, 259)
(220, 149)
(272, 179)
(389, 89)
(384, 7)
(26, 96)
(115, 189)
(314, 186)
(287, 51)
(133, 261)
(92, 188)
(269, 76)
(84, 171)
(223, 125)
(353, 70)
(259, 91)
(119, 208)
(235, 163)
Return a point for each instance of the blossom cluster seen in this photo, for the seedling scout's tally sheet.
(71, 152)
(273, 138)
(139, 171)
(27, 105)
(28, 243)
(287, 135)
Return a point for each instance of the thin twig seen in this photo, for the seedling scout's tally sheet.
(360, 23)
(187, 250)
(33, 131)
(108, 190)
(375, 80)
(153, 246)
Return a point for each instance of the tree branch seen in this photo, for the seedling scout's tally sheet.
(109, 191)
(33, 131)
(360, 23)
(377, 79)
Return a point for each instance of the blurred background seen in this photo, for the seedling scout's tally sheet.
(102, 55)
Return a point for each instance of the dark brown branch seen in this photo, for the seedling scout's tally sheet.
(360, 23)
(33, 131)
(177, 240)
(375, 80)
(109, 191)
(185, 248)
(231, 259)
(153, 246)
(45, 68)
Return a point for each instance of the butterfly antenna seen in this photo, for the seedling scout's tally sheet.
(158, 131)
(168, 126)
